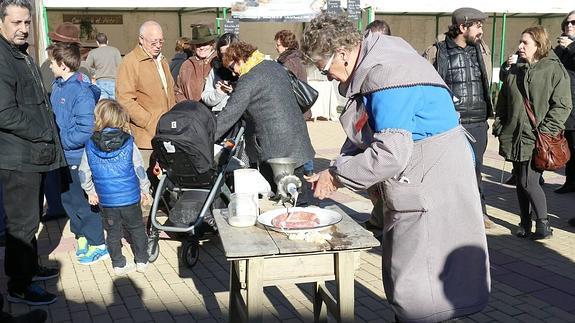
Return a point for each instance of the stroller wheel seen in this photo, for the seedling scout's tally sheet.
(190, 252)
(153, 249)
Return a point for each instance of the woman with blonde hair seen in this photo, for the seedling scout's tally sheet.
(114, 178)
(540, 79)
(274, 123)
(403, 135)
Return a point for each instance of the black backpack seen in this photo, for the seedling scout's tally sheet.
(184, 144)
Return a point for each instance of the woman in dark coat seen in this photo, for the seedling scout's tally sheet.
(263, 95)
(565, 50)
(540, 75)
(183, 52)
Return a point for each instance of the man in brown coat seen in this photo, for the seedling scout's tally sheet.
(194, 71)
(144, 85)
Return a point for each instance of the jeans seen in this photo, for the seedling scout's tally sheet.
(84, 218)
(129, 218)
(479, 131)
(21, 191)
(108, 88)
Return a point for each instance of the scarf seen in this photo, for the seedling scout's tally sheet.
(255, 58)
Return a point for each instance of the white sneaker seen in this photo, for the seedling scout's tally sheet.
(128, 268)
(141, 267)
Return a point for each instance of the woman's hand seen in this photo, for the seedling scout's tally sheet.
(224, 87)
(323, 184)
(564, 41)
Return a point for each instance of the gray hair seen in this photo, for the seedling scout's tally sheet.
(4, 4)
(327, 32)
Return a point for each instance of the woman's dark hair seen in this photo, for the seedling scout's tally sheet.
(225, 40)
(239, 51)
(379, 26)
(564, 22)
(287, 39)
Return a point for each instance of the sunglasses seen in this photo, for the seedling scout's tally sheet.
(572, 22)
(231, 67)
(325, 70)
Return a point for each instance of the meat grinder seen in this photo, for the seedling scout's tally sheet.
(287, 183)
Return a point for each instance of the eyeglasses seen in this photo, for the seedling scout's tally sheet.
(155, 43)
(325, 70)
(571, 22)
(232, 66)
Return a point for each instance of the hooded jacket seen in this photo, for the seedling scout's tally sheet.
(112, 168)
(29, 138)
(73, 101)
(547, 86)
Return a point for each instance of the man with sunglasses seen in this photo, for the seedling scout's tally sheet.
(462, 61)
(145, 87)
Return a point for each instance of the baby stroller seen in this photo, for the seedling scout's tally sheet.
(193, 180)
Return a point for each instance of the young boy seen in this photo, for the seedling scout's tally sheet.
(113, 176)
(73, 101)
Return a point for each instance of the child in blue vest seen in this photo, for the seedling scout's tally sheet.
(114, 177)
(73, 102)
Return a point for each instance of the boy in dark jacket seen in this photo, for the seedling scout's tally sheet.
(73, 101)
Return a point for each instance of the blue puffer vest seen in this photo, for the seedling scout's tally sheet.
(113, 174)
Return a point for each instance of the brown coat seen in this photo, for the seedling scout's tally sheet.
(192, 78)
(139, 89)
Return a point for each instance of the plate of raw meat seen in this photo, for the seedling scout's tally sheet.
(299, 219)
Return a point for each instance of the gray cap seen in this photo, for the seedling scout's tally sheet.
(465, 15)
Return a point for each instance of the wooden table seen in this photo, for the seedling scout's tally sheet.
(260, 257)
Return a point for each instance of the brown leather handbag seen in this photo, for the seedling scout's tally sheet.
(551, 152)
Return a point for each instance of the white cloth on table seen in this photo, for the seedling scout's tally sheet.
(327, 101)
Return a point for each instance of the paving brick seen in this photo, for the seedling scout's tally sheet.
(140, 315)
(559, 299)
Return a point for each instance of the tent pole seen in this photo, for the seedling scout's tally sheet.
(436, 26)
(218, 27)
(502, 49)
(45, 14)
(493, 31)
(180, 22)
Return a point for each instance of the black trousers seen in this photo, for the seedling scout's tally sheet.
(530, 194)
(21, 192)
(479, 131)
(570, 167)
(130, 218)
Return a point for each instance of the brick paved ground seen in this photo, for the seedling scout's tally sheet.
(532, 281)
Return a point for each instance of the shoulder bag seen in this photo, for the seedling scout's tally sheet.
(305, 94)
(551, 152)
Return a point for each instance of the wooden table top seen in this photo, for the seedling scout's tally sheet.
(256, 241)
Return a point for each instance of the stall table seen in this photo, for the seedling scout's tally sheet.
(261, 257)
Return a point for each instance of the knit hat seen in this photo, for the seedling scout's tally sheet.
(462, 16)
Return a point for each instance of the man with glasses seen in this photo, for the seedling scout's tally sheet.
(194, 71)
(462, 61)
(145, 87)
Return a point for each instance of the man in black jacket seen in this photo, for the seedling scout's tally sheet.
(30, 146)
(460, 62)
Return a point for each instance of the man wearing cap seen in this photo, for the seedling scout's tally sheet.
(144, 85)
(30, 146)
(463, 61)
(194, 71)
(104, 61)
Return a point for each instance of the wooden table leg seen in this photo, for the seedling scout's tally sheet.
(319, 308)
(344, 278)
(234, 292)
(255, 289)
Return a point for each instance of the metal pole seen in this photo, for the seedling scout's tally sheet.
(45, 14)
(494, 29)
(218, 28)
(436, 26)
(180, 22)
(502, 49)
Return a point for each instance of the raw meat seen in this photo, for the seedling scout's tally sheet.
(297, 220)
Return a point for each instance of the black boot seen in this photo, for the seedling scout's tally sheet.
(524, 229)
(542, 230)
